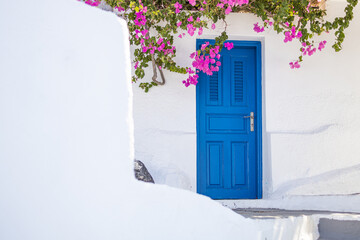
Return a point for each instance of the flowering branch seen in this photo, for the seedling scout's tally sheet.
(154, 24)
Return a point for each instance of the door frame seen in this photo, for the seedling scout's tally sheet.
(258, 119)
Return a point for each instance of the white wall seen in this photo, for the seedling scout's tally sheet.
(311, 137)
(66, 139)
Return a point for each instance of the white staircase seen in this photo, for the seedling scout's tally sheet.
(306, 225)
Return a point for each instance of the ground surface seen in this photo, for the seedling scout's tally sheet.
(331, 225)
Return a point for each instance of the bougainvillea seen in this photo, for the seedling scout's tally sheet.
(154, 25)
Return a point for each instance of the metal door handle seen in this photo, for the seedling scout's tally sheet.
(251, 121)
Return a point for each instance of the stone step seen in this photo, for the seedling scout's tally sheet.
(331, 229)
(330, 225)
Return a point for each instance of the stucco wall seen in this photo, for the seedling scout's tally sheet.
(66, 139)
(311, 126)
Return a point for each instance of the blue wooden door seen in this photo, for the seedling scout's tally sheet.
(229, 151)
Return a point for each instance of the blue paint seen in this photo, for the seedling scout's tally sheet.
(229, 156)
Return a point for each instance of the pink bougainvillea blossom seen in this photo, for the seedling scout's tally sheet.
(257, 28)
(308, 7)
(192, 2)
(191, 29)
(213, 26)
(322, 45)
(204, 46)
(228, 45)
(140, 19)
(290, 35)
(159, 41)
(228, 10)
(177, 6)
(93, 3)
(190, 19)
(205, 63)
(294, 64)
(200, 31)
(119, 8)
(307, 49)
(136, 65)
(269, 22)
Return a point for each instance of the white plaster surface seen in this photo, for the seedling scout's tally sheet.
(311, 126)
(66, 139)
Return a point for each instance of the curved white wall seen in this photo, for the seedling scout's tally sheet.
(66, 139)
(311, 137)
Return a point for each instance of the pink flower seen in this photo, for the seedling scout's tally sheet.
(192, 2)
(228, 45)
(257, 28)
(299, 34)
(136, 65)
(213, 26)
(162, 46)
(191, 29)
(311, 52)
(159, 41)
(190, 19)
(269, 22)
(178, 24)
(200, 31)
(288, 37)
(321, 45)
(203, 46)
(93, 3)
(228, 10)
(177, 6)
(294, 65)
(308, 6)
(119, 8)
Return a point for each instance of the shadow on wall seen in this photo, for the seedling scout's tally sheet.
(335, 176)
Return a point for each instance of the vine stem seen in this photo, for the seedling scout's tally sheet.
(154, 78)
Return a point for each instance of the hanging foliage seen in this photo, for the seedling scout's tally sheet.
(154, 25)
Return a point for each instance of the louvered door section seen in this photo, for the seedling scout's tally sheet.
(237, 82)
(214, 89)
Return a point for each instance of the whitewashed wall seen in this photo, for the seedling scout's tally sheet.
(311, 122)
(66, 139)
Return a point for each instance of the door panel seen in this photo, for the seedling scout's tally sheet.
(228, 159)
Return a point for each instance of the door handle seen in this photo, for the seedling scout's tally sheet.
(252, 122)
